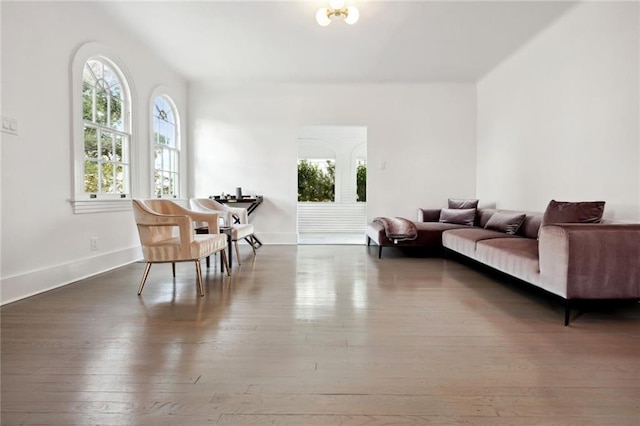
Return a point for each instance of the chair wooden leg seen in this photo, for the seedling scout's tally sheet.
(199, 273)
(223, 256)
(237, 252)
(173, 269)
(144, 277)
(252, 243)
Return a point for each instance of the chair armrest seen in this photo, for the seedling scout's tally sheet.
(225, 215)
(590, 261)
(210, 218)
(154, 220)
(428, 215)
(239, 212)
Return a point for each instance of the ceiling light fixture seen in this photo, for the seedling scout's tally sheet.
(337, 10)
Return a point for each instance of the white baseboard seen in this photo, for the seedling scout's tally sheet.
(31, 283)
(277, 238)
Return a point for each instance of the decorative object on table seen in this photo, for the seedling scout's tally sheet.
(239, 193)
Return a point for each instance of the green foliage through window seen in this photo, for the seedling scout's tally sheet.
(361, 181)
(316, 183)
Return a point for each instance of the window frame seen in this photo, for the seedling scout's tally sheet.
(161, 92)
(81, 201)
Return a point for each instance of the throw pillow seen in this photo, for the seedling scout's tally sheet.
(459, 203)
(573, 212)
(458, 216)
(508, 223)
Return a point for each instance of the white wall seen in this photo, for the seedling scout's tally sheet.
(560, 118)
(246, 136)
(45, 245)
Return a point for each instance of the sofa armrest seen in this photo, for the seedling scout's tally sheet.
(428, 215)
(590, 261)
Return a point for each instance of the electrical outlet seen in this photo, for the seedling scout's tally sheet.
(94, 243)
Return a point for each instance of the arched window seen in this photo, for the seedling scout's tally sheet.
(166, 148)
(107, 130)
(102, 132)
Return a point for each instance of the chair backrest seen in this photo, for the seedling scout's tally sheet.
(162, 206)
(207, 204)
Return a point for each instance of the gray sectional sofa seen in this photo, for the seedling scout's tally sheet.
(575, 261)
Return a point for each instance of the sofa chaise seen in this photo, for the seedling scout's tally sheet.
(576, 259)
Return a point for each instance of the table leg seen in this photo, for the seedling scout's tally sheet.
(229, 250)
(258, 242)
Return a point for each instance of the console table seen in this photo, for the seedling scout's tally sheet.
(253, 202)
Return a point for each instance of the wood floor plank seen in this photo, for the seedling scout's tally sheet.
(317, 335)
(368, 420)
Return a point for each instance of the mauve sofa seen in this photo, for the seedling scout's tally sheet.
(576, 261)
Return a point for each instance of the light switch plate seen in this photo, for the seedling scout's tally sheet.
(9, 125)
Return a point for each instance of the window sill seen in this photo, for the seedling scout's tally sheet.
(100, 206)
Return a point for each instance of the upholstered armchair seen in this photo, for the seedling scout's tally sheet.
(236, 218)
(157, 221)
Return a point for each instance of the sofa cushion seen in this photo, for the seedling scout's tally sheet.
(460, 203)
(529, 227)
(458, 216)
(515, 256)
(428, 215)
(573, 212)
(464, 240)
(509, 223)
(483, 216)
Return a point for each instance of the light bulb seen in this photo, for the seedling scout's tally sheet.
(321, 17)
(353, 14)
(336, 4)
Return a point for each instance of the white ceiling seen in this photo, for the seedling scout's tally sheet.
(279, 41)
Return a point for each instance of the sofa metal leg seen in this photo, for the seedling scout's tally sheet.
(379, 252)
(368, 241)
(567, 312)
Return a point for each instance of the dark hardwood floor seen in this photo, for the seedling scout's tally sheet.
(317, 335)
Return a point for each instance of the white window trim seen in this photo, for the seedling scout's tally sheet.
(157, 92)
(87, 203)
